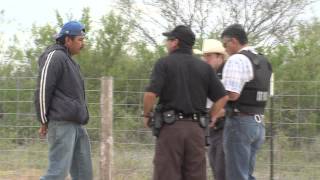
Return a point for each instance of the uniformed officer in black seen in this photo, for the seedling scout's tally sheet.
(182, 83)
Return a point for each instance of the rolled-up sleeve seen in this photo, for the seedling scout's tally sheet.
(157, 79)
(236, 72)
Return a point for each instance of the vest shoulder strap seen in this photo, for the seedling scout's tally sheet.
(252, 57)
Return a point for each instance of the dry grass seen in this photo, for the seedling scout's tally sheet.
(135, 163)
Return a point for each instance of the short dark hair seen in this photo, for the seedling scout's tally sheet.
(236, 31)
(62, 40)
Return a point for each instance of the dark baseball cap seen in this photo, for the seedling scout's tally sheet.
(73, 28)
(183, 33)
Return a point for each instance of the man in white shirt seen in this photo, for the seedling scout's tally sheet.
(246, 77)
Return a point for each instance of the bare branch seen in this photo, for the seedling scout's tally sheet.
(264, 20)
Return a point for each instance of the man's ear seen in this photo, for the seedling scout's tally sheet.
(176, 42)
(67, 40)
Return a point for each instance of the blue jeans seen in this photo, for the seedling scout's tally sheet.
(69, 151)
(216, 154)
(243, 136)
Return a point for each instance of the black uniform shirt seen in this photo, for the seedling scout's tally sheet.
(183, 82)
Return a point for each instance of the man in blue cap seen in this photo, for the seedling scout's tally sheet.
(61, 106)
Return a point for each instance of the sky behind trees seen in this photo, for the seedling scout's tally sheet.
(20, 15)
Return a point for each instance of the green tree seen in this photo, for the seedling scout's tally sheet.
(296, 67)
(111, 43)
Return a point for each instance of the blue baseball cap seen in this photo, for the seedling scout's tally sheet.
(73, 28)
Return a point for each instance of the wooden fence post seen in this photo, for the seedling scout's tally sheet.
(106, 138)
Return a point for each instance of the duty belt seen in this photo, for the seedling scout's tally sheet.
(257, 117)
(192, 117)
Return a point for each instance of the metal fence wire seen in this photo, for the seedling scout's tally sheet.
(290, 152)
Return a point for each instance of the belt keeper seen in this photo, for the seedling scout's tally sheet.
(195, 117)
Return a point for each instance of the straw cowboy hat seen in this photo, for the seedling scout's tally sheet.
(211, 46)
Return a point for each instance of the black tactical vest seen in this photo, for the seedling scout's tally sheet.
(219, 71)
(254, 96)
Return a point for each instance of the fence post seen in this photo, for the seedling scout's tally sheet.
(271, 127)
(271, 140)
(106, 142)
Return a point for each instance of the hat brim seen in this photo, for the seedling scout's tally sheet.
(197, 52)
(213, 51)
(167, 34)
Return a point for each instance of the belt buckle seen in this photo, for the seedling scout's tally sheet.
(258, 118)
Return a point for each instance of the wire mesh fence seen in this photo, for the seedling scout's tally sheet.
(23, 155)
(291, 150)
